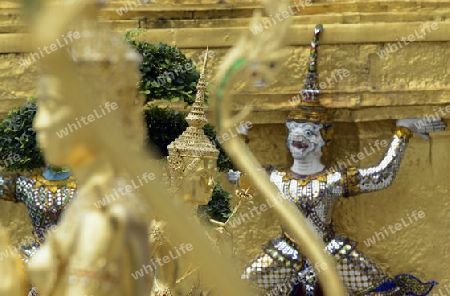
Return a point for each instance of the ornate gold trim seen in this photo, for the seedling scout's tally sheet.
(318, 114)
(9, 191)
(304, 180)
(41, 181)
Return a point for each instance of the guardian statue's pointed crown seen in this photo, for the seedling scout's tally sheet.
(309, 108)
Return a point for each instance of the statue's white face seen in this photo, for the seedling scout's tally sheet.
(304, 139)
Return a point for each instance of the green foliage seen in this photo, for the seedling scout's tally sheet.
(218, 207)
(17, 137)
(163, 126)
(223, 161)
(166, 72)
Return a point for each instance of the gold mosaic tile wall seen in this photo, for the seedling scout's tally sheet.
(411, 81)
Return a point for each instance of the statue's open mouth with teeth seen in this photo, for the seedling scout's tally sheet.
(300, 144)
(304, 139)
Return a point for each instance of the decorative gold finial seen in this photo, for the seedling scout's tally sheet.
(196, 118)
(204, 61)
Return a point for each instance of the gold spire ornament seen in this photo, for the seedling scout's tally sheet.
(192, 156)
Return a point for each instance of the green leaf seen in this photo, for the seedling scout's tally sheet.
(18, 137)
(158, 58)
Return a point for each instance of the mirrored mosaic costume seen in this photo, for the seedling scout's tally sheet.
(282, 269)
(45, 201)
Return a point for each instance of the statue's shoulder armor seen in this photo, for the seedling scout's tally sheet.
(42, 182)
(25, 179)
(8, 187)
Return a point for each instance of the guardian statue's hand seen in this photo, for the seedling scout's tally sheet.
(242, 129)
(422, 126)
(233, 176)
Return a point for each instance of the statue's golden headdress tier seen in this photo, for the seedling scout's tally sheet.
(309, 108)
(193, 142)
